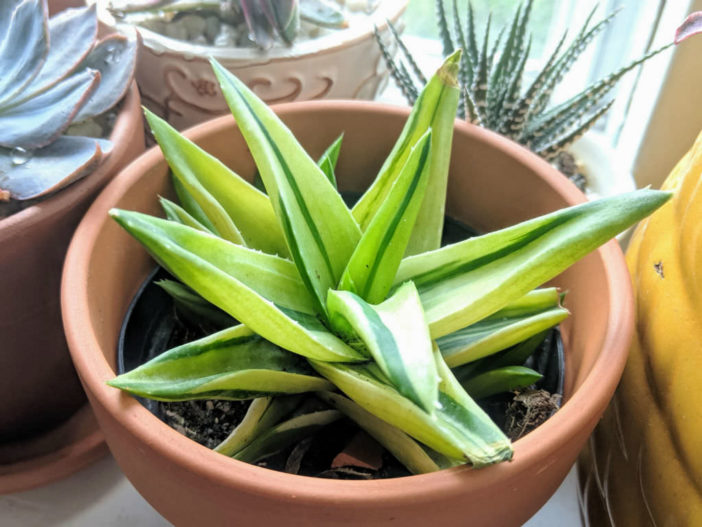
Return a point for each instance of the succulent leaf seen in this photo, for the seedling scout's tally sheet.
(496, 333)
(405, 449)
(322, 13)
(40, 120)
(285, 434)
(507, 379)
(195, 308)
(115, 58)
(284, 16)
(320, 231)
(373, 264)
(692, 25)
(175, 212)
(232, 364)
(435, 109)
(24, 46)
(32, 174)
(248, 209)
(396, 335)
(262, 414)
(462, 283)
(327, 162)
(72, 33)
(282, 316)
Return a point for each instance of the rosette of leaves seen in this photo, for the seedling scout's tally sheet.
(492, 74)
(360, 305)
(265, 20)
(55, 72)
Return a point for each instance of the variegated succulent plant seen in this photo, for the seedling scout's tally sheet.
(55, 72)
(264, 20)
(492, 74)
(358, 306)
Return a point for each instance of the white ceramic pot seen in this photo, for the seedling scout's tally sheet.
(176, 80)
(603, 170)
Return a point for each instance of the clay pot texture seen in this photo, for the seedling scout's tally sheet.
(494, 183)
(38, 385)
(176, 79)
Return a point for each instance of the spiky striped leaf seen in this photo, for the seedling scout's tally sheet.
(195, 308)
(494, 334)
(500, 380)
(320, 231)
(327, 162)
(462, 283)
(232, 364)
(260, 290)
(175, 212)
(456, 408)
(247, 208)
(373, 265)
(405, 449)
(285, 434)
(396, 335)
(191, 206)
(436, 109)
(262, 414)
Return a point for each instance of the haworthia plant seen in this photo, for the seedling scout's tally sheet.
(349, 312)
(54, 72)
(493, 72)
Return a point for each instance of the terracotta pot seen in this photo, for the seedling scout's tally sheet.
(494, 183)
(38, 385)
(177, 82)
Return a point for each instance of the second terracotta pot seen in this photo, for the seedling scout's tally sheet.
(493, 183)
(38, 385)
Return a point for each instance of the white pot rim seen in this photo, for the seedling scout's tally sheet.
(386, 10)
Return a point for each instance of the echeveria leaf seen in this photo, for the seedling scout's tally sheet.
(175, 212)
(405, 449)
(231, 364)
(41, 119)
(249, 209)
(327, 162)
(318, 227)
(72, 33)
(397, 337)
(285, 434)
(24, 45)
(115, 58)
(371, 270)
(193, 306)
(506, 379)
(436, 109)
(262, 414)
(494, 334)
(185, 253)
(462, 283)
(28, 175)
(691, 26)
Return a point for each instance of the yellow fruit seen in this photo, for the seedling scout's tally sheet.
(645, 458)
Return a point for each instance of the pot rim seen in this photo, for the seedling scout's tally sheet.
(48, 208)
(159, 44)
(531, 452)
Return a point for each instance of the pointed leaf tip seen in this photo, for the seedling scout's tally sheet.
(448, 72)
